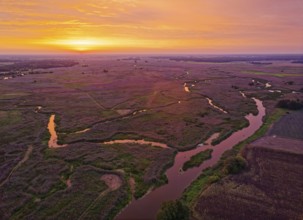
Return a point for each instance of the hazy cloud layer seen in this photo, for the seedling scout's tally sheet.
(170, 25)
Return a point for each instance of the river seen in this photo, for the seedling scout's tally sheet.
(147, 207)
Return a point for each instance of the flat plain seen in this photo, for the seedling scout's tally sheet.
(95, 99)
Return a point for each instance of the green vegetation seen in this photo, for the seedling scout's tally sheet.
(290, 104)
(160, 99)
(190, 120)
(15, 124)
(108, 114)
(234, 165)
(9, 118)
(269, 120)
(13, 95)
(270, 95)
(66, 182)
(190, 136)
(173, 210)
(75, 85)
(197, 159)
(271, 74)
(141, 187)
(192, 193)
(127, 136)
(236, 126)
(230, 162)
(87, 197)
(202, 114)
(135, 159)
(222, 137)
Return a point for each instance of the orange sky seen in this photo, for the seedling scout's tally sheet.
(185, 26)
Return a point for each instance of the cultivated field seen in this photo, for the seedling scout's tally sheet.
(270, 187)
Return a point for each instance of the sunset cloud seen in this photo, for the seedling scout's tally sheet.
(159, 26)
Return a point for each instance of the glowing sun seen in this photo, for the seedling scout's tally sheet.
(81, 45)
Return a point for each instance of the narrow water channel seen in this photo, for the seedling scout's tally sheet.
(52, 143)
(142, 142)
(147, 207)
(210, 102)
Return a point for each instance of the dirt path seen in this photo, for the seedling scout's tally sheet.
(113, 182)
(132, 184)
(82, 216)
(24, 159)
(97, 103)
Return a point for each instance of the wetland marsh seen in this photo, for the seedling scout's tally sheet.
(79, 142)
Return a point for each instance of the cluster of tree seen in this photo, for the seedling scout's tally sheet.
(290, 104)
(255, 59)
(234, 165)
(27, 65)
(173, 210)
(290, 83)
(261, 63)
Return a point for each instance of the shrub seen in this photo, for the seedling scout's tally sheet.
(190, 120)
(173, 210)
(234, 165)
(202, 114)
(161, 132)
(222, 137)
(213, 179)
(198, 159)
(290, 104)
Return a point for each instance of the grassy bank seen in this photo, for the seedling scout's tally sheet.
(197, 159)
(271, 74)
(238, 125)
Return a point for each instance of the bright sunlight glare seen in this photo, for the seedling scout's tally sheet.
(85, 44)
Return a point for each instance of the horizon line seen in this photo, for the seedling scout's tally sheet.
(151, 53)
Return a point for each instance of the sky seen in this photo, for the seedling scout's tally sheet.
(151, 26)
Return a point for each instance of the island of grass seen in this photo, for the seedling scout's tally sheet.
(198, 159)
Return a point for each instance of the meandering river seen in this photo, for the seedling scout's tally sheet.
(178, 180)
(147, 207)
